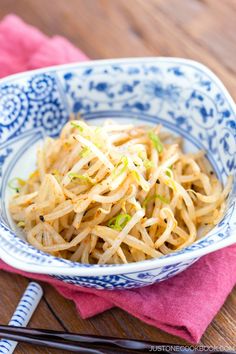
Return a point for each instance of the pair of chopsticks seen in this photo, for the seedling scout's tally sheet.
(89, 344)
(73, 341)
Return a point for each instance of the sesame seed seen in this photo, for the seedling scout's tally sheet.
(41, 217)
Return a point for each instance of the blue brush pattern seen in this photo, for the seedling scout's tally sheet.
(22, 314)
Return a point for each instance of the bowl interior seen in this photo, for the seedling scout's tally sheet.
(181, 95)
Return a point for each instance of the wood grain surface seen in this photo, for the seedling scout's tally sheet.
(203, 30)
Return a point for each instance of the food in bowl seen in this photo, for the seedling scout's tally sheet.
(117, 194)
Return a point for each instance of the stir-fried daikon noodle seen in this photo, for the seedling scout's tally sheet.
(117, 194)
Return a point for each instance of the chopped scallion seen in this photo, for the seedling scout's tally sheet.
(135, 175)
(77, 125)
(84, 177)
(148, 164)
(155, 196)
(119, 222)
(85, 152)
(16, 183)
(156, 141)
(125, 163)
(21, 224)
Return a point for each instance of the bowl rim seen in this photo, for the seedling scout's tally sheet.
(140, 60)
(130, 267)
(112, 269)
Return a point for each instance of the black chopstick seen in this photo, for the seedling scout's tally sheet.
(62, 339)
(90, 344)
(50, 343)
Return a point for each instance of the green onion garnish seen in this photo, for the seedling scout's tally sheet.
(135, 175)
(169, 172)
(140, 180)
(153, 197)
(141, 154)
(156, 141)
(162, 199)
(84, 177)
(148, 164)
(119, 222)
(21, 224)
(12, 184)
(77, 125)
(85, 152)
(98, 144)
(125, 162)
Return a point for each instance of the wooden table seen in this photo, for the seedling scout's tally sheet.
(199, 29)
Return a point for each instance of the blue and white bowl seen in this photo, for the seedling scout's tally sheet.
(182, 95)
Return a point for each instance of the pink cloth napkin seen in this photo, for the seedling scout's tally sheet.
(183, 305)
